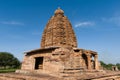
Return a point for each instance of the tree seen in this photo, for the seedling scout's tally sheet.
(8, 60)
(106, 66)
(118, 65)
(109, 66)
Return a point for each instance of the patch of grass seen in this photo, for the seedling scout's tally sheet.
(7, 70)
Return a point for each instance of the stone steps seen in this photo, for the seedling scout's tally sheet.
(40, 67)
(67, 73)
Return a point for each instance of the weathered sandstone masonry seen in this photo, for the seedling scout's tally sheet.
(59, 52)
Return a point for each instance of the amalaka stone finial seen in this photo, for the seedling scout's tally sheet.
(59, 11)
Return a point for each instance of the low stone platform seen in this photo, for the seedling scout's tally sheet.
(108, 75)
(18, 76)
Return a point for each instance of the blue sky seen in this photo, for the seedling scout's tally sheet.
(95, 22)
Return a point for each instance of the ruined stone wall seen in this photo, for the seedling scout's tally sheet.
(29, 60)
(58, 60)
(28, 63)
(63, 58)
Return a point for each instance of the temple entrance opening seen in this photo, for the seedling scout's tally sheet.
(39, 63)
(85, 61)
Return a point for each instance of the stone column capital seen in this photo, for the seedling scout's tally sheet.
(88, 55)
(96, 56)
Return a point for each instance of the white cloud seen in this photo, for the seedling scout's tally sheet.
(82, 24)
(11, 23)
(114, 20)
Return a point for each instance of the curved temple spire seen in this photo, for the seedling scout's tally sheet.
(58, 32)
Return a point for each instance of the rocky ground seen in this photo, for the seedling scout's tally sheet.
(17, 76)
(108, 75)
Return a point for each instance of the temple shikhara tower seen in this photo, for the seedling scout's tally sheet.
(58, 53)
(58, 32)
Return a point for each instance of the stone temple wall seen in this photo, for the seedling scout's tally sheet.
(59, 60)
(28, 63)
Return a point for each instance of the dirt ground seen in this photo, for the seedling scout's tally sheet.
(108, 75)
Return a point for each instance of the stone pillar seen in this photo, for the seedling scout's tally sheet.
(89, 61)
(33, 64)
(96, 62)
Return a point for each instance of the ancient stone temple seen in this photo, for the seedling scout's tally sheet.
(59, 52)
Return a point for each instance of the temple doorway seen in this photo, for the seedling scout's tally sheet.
(39, 63)
(85, 61)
